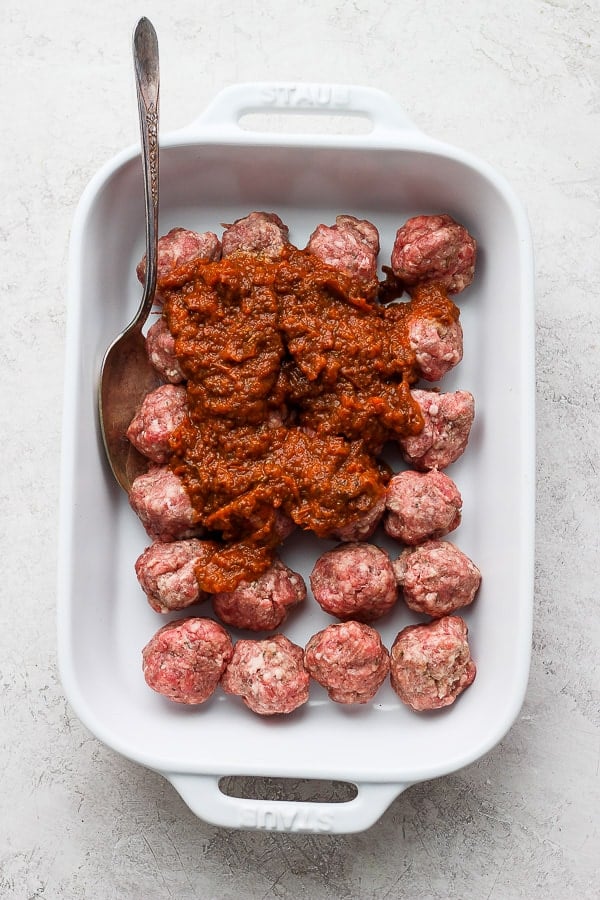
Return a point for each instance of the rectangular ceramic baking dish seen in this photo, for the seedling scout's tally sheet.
(215, 171)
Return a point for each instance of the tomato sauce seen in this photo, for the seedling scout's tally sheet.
(295, 381)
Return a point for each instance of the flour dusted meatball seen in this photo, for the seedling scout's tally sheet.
(186, 659)
(161, 412)
(160, 347)
(269, 675)
(264, 604)
(431, 664)
(354, 581)
(259, 232)
(364, 527)
(448, 418)
(179, 246)
(434, 248)
(436, 578)
(163, 506)
(437, 343)
(351, 245)
(166, 573)
(420, 506)
(348, 660)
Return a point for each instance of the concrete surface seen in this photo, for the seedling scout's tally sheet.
(516, 83)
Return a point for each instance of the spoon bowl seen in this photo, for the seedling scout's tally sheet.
(126, 375)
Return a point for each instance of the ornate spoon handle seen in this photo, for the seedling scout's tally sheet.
(145, 56)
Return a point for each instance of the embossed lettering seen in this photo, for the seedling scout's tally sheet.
(270, 820)
(306, 96)
(324, 823)
(269, 96)
(288, 821)
(281, 820)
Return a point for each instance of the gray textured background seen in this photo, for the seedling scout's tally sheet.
(516, 83)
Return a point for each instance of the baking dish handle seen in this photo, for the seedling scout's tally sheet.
(224, 113)
(205, 798)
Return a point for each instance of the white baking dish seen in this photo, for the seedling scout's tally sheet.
(212, 172)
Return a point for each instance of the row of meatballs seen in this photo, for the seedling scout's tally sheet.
(429, 665)
(160, 501)
(355, 580)
(427, 249)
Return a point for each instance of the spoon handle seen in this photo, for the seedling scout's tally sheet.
(145, 57)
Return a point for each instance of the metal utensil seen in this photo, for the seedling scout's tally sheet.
(126, 375)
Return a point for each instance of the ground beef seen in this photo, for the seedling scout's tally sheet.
(159, 415)
(364, 527)
(264, 604)
(438, 346)
(351, 245)
(163, 506)
(269, 675)
(354, 581)
(348, 660)
(166, 573)
(177, 247)
(283, 526)
(420, 506)
(434, 249)
(186, 659)
(160, 347)
(436, 578)
(431, 664)
(447, 424)
(259, 233)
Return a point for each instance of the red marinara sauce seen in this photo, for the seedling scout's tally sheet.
(295, 381)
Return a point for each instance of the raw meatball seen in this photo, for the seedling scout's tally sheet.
(436, 578)
(269, 675)
(420, 506)
(163, 506)
(437, 344)
(186, 659)
(161, 412)
(434, 248)
(354, 581)
(177, 247)
(260, 232)
(166, 573)
(160, 347)
(362, 529)
(349, 660)
(261, 605)
(351, 245)
(448, 419)
(431, 664)
(283, 526)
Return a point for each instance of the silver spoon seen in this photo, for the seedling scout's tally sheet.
(126, 375)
